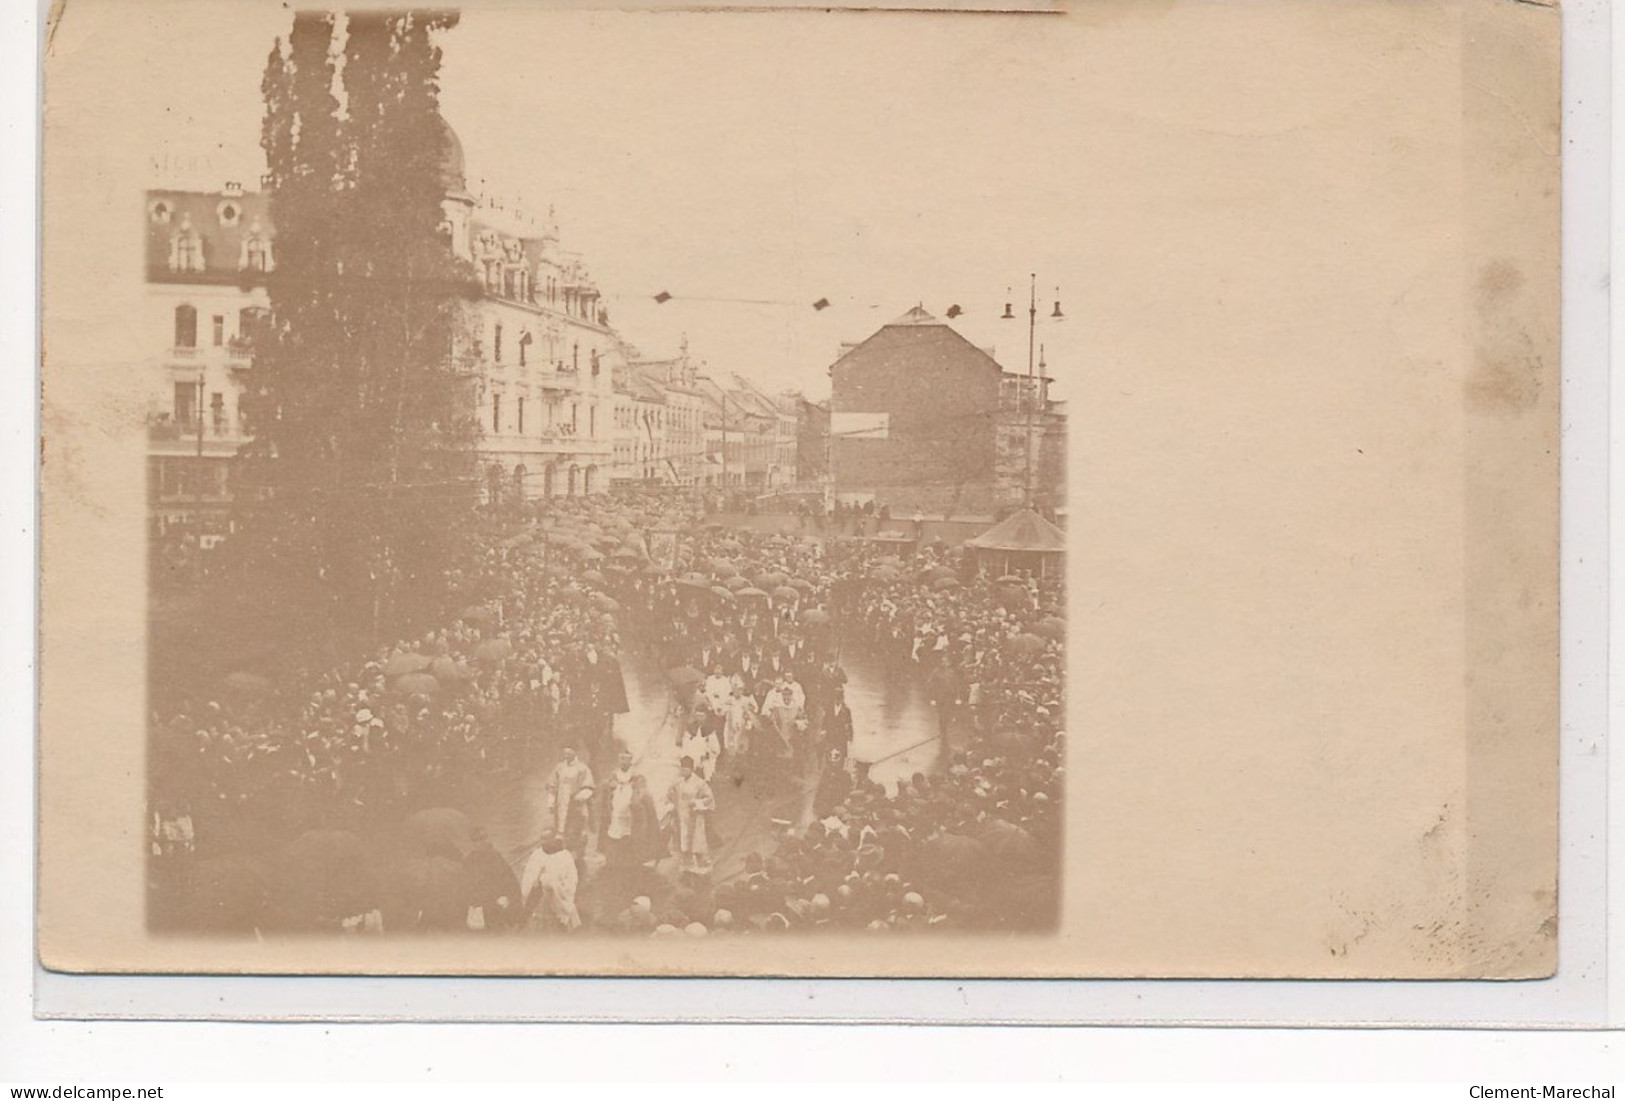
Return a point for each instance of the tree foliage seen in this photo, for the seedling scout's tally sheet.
(361, 469)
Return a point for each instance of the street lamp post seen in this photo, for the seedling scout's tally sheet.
(1029, 398)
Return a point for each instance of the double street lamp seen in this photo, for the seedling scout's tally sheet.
(1030, 396)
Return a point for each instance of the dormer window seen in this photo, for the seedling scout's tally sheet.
(186, 248)
(159, 212)
(256, 250)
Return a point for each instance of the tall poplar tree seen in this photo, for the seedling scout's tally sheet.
(361, 469)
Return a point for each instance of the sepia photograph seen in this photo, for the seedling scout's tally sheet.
(503, 585)
(536, 490)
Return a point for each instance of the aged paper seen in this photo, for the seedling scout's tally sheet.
(1308, 255)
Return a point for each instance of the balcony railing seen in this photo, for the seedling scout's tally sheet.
(163, 428)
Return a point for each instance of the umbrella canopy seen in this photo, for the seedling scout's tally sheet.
(427, 894)
(592, 577)
(771, 578)
(605, 603)
(694, 578)
(803, 584)
(943, 583)
(885, 574)
(1027, 644)
(937, 573)
(1012, 579)
(1007, 842)
(477, 613)
(322, 878)
(399, 664)
(607, 542)
(684, 674)
(438, 831)
(1051, 627)
(750, 594)
(228, 894)
(721, 593)
(417, 684)
(588, 554)
(888, 560)
(627, 554)
(493, 650)
(447, 669)
(735, 583)
(248, 684)
(731, 546)
(785, 592)
(722, 567)
(816, 616)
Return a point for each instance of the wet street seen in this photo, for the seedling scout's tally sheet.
(895, 731)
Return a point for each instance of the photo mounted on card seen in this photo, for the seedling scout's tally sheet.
(1058, 492)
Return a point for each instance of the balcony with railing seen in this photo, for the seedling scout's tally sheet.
(221, 435)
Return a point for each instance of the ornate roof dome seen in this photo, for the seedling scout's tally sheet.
(453, 177)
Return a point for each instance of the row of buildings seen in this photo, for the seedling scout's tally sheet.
(917, 418)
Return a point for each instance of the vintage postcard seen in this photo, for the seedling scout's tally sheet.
(1059, 492)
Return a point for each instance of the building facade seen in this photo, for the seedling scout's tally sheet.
(207, 257)
(921, 419)
(544, 350)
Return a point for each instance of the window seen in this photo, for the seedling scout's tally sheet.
(219, 329)
(186, 402)
(496, 342)
(186, 249)
(185, 327)
(257, 254)
(595, 363)
(524, 342)
(575, 356)
(573, 410)
(521, 416)
(496, 412)
(217, 411)
(592, 421)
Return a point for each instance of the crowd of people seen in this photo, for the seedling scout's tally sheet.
(749, 629)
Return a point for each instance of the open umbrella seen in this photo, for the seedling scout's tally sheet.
(885, 574)
(684, 675)
(1012, 579)
(428, 894)
(607, 542)
(816, 617)
(721, 593)
(1027, 644)
(248, 684)
(943, 583)
(438, 831)
(785, 592)
(750, 594)
(722, 567)
(1050, 627)
(477, 613)
(400, 663)
(802, 584)
(592, 577)
(321, 878)
(888, 560)
(731, 546)
(228, 894)
(493, 650)
(588, 554)
(694, 578)
(735, 583)
(627, 554)
(417, 684)
(1008, 843)
(937, 573)
(605, 603)
(447, 669)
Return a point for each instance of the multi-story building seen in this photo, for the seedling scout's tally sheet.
(207, 255)
(812, 440)
(681, 418)
(543, 345)
(920, 418)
